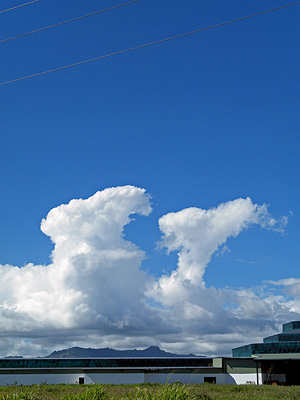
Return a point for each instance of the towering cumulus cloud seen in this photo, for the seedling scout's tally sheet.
(94, 281)
(94, 292)
(92, 261)
(196, 234)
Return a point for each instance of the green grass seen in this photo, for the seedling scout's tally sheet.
(149, 392)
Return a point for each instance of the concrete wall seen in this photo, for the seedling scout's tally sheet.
(157, 377)
(119, 378)
(221, 378)
(243, 379)
(37, 379)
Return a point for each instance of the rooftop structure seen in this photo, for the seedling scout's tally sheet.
(287, 342)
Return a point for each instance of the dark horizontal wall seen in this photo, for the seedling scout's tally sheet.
(240, 366)
(46, 363)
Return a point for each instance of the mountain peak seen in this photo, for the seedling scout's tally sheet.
(80, 352)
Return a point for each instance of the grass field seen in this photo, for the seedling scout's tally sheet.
(149, 392)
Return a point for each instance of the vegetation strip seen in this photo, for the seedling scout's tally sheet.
(175, 391)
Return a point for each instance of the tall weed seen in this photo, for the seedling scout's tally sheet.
(92, 392)
(23, 394)
(167, 392)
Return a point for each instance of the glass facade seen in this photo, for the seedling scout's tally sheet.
(266, 348)
(291, 326)
(48, 363)
(283, 337)
(286, 342)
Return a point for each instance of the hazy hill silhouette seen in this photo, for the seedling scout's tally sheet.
(80, 352)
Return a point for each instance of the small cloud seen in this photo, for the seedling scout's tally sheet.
(285, 282)
(223, 250)
(240, 260)
(266, 221)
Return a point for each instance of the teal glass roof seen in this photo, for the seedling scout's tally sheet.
(286, 342)
(266, 348)
(283, 337)
(291, 326)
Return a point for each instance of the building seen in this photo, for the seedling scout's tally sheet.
(278, 357)
(287, 342)
(128, 370)
(275, 361)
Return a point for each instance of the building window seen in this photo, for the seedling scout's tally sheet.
(81, 381)
(209, 379)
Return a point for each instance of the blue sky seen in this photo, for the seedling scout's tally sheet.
(197, 121)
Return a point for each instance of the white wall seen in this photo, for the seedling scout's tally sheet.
(186, 378)
(242, 379)
(155, 377)
(135, 378)
(223, 378)
(116, 378)
(37, 379)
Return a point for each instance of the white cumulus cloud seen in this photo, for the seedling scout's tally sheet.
(94, 292)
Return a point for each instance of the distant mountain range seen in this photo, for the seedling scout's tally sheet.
(80, 352)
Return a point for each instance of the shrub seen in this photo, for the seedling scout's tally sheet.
(167, 392)
(92, 392)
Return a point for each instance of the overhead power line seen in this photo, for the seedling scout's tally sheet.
(21, 5)
(148, 44)
(66, 22)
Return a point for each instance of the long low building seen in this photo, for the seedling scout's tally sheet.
(129, 370)
(258, 370)
(276, 361)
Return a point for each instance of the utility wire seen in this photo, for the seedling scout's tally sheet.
(148, 44)
(66, 22)
(21, 5)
